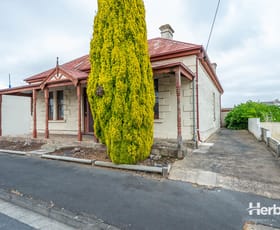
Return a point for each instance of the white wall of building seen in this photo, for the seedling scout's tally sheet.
(209, 105)
(16, 115)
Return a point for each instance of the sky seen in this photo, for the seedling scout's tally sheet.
(245, 42)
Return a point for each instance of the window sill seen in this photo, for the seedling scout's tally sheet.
(57, 121)
(158, 121)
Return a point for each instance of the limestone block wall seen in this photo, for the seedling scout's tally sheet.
(166, 125)
(70, 123)
(16, 115)
(187, 109)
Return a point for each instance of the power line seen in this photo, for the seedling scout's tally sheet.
(213, 24)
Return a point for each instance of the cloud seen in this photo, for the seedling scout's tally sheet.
(245, 42)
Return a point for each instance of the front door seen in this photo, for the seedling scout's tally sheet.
(88, 120)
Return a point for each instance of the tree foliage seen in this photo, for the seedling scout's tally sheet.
(238, 117)
(120, 86)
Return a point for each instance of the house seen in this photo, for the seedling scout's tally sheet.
(187, 89)
(224, 113)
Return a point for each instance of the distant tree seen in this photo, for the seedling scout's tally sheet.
(238, 117)
(120, 86)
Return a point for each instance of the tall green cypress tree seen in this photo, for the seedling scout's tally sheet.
(120, 86)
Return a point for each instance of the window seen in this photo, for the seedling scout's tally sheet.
(60, 108)
(156, 107)
(51, 105)
(214, 107)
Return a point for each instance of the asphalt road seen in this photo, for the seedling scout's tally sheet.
(7, 223)
(128, 201)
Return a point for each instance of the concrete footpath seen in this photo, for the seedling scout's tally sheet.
(233, 160)
(29, 219)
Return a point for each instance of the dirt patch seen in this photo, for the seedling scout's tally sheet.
(25, 146)
(96, 153)
(100, 154)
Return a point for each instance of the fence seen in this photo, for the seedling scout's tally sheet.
(264, 134)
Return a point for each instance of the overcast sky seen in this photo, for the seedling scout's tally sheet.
(245, 42)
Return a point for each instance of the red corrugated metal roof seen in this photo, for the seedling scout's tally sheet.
(162, 46)
(157, 47)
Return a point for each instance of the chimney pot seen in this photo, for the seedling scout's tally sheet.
(214, 65)
(166, 31)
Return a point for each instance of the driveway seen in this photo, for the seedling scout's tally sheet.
(232, 159)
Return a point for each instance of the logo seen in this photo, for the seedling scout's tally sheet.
(259, 210)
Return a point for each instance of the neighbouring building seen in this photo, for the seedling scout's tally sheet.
(12, 123)
(224, 113)
(187, 89)
(275, 102)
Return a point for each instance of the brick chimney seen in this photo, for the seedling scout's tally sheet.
(166, 31)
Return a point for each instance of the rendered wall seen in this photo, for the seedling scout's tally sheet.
(209, 105)
(16, 115)
(254, 127)
(274, 128)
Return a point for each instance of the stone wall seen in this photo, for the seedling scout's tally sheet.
(69, 125)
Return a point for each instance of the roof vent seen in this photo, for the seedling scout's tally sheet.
(166, 31)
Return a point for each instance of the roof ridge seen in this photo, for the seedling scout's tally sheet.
(172, 40)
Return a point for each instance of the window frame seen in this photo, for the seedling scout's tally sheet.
(51, 106)
(59, 105)
(156, 106)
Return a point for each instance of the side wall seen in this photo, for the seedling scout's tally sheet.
(16, 115)
(209, 105)
(254, 127)
(70, 123)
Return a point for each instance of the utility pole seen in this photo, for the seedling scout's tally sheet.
(10, 86)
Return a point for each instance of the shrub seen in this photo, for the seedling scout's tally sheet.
(238, 117)
(120, 86)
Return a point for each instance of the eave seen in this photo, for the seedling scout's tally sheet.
(20, 90)
(175, 54)
(172, 68)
